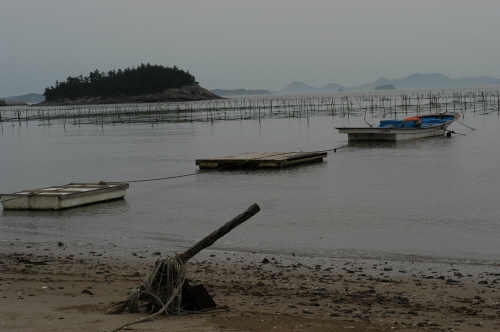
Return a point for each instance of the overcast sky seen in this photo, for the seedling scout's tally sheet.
(251, 44)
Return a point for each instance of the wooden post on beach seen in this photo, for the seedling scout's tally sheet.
(163, 286)
(210, 239)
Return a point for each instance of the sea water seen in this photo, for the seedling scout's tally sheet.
(436, 198)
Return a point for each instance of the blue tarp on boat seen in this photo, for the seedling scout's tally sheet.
(425, 121)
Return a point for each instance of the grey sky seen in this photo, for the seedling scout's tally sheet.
(253, 44)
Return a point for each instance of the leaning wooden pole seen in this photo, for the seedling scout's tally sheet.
(210, 239)
(164, 284)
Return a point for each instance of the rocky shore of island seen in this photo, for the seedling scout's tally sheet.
(192, 92)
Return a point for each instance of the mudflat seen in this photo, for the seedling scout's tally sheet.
(49, 289)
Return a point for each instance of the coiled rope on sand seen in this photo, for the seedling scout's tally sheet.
(161, 290)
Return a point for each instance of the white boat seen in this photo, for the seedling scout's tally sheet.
(396, 130)
(63, 197)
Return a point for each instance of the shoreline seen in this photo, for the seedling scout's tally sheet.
(264, 292)
(127, 251)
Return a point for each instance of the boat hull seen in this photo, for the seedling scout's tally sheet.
(389, 133)
(63, 197)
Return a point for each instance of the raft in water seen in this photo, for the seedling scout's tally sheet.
(63, 197)
(262, 160)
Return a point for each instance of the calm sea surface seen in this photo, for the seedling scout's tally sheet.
(436, 198)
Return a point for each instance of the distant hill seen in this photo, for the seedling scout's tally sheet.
(333, 87)
(413, 81)
(385, 87)
(30, 98)
(298, 87)
(424, 81)
(239, 92)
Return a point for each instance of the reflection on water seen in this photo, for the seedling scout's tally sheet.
(435, 197)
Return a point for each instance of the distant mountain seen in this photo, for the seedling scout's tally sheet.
(239, 92)
(423, 81)
(30, 98)
(385, 87)
(332, 87)
(298, 87)
(413, 81)
(381, 81)
(477, 81)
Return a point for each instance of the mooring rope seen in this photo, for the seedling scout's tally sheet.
(224, 167)
(453, 132)
(195, 173)
(162, 292)
(238, 164)
(11, 199)
(465, 125)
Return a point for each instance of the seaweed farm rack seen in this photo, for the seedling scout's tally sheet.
(294, 106)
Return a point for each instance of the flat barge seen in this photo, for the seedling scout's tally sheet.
(64, 197)
(262, 160)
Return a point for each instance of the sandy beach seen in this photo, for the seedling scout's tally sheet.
(54, 289)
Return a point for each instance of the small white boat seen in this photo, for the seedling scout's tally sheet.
(63, 197)
(397, 130)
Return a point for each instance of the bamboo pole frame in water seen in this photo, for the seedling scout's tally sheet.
(254, 108)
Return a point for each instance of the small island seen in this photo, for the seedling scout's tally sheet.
(385, 87)
(144, 84)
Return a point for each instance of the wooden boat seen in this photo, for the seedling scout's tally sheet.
(63, 197)
(397, 130)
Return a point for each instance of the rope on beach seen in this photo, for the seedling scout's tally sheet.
(161, 290)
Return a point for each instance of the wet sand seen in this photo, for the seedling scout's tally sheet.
(53, 289)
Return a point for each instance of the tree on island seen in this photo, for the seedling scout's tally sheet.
(145, 79)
